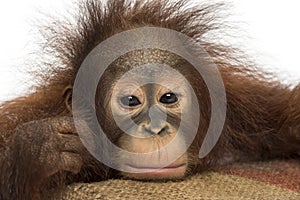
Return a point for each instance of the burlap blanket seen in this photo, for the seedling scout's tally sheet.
(278, 179)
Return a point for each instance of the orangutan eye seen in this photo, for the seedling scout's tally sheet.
(168, 98)
(130, 101)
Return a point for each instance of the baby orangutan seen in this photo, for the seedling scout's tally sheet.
(40, 148)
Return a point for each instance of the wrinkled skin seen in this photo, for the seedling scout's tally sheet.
(43, 147)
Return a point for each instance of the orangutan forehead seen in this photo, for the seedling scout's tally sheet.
(146, 56)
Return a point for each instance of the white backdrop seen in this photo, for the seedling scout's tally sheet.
(273, 29)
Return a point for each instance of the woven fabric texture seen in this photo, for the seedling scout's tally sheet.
(279, 179)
